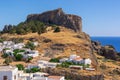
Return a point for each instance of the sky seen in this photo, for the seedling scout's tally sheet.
(99, 17)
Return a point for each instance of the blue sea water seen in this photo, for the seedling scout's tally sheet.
(115, 41)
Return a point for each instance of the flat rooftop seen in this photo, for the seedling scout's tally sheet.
(7, 68)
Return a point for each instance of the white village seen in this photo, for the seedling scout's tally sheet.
(8, 72)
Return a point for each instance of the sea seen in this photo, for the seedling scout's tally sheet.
(115, 41)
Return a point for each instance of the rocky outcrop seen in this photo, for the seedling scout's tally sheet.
(58, 17)
(107, 51)
(7, 28)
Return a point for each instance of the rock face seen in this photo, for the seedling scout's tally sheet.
(58, 17)
(7, 28)
(107, 51)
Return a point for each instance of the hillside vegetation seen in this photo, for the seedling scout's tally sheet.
(25, 27)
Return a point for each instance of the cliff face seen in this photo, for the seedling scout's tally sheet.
(58, 17)
(107, 51)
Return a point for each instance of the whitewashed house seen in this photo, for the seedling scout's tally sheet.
(12, 73)
(87, 61)
(72, 57)
(30, 66)
(38, 76)
(8, 73)
(24, 76)
(33, 53)
(51, 65)
(8, 43)
(9, 52)
(63, 60)
(42, 63)
(46, 64)
(78, 60)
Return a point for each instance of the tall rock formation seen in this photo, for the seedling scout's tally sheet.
(58, 17)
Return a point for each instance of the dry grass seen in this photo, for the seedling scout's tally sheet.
(66, 37)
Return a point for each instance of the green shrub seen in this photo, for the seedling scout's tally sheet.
(19, 57)
(54, 60)
(57, 29)
(20, 67)
(29, 59)
(66, 64)
(32, 70)
(26, 27)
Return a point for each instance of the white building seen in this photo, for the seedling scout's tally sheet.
(78, 60)
(38, 76)
(63, 60)
(51, 65)
(12, 73)
(32, 66)
(33, 53)
(45, 64)
(72, 57)
(42, 63)
(9, 52)
(88, 61)
(8, 73)
(18, 46)
(8, 42)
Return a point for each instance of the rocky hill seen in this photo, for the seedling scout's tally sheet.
(58, 17)
(69, 40)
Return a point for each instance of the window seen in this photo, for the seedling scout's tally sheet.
(5, 78)
(15, 77)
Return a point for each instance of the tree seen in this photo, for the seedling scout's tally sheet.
(20, 67)
(54, 60)
(32, 70)
(57, 29)
(12, 31)
(19, 57)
